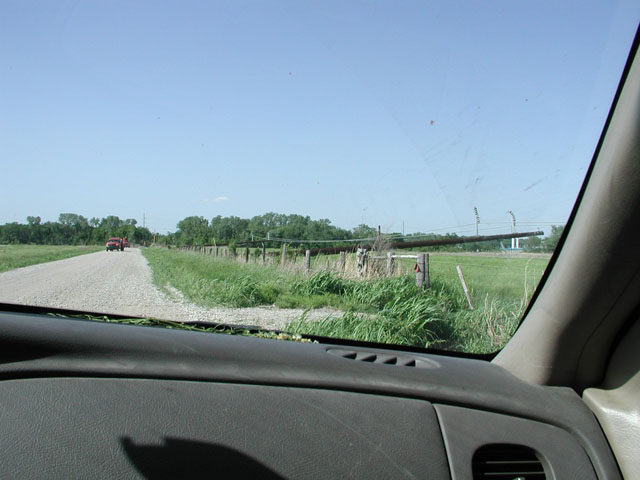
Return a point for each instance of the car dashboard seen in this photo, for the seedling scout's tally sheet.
(91, 399)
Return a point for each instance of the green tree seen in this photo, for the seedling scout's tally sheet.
(76, 228)
(364, 231)
(33, 221)
(140, 235)
(531, 244)
(14, 233)
(34, 230)
(550, 243)
(193, 231)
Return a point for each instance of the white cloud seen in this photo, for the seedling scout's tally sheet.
(215, 199)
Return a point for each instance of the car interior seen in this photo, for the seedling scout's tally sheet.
(88, 399)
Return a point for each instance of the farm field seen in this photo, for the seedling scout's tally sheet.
(387, 309)
(16, 256)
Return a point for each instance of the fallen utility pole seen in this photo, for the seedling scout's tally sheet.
(426, 243)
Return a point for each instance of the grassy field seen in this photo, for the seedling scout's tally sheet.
(16, 256)
(389, 310)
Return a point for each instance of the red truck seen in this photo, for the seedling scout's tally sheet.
(115, 243)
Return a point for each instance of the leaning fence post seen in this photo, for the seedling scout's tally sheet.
(307, 261)
(464, 287)
(246, 255)
(284, 254)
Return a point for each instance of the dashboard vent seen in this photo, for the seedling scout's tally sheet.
(370, 357)
(507, 462)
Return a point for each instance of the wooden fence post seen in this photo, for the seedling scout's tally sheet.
(264, 254)
(307, 261)
(464, 287)
(216, 250)
(389, 263)
(342, 262)
(427, 278)
(283, 259)
(246, 255)
(361, 261)
(422, 271)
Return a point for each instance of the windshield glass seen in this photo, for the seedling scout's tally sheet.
(380, 171)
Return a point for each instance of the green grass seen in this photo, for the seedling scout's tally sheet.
(16, 256)
(500, 276)
(387, 310)
(209, 282)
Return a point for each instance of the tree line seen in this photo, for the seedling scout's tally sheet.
(73, 229)
(221, 230)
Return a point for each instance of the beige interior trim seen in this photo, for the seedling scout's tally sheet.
(616, 403)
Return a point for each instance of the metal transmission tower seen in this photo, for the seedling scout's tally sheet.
(515, 242)
(475, 212)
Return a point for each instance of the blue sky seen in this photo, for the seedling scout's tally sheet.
(386, 113)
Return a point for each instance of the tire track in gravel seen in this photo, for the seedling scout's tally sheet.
(121, 283)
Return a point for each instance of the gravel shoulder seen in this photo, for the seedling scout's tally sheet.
(121, 283)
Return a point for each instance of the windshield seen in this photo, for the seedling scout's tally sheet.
(379, 171)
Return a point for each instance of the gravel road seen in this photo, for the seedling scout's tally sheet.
(121, 283)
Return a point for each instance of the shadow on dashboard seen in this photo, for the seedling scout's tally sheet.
(177, 458)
